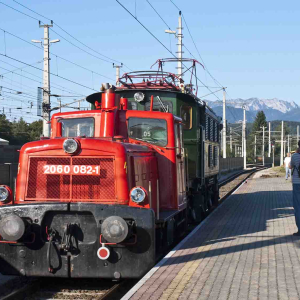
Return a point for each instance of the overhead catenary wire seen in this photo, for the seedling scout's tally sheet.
(17, 84)
(4, 42)
(55, 86)
(163, 45)
(32, 98)
(82, 85)
(30, 65)
(206, 69)
(26, 88)
(19, 11)
(169, 50)
(216, 81)
(159, 15)
(72, 36)
(62, 58)
(167, 26)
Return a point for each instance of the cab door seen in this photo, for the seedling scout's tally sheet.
(180, 165)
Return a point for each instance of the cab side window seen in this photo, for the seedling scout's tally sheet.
(178, 138)
(186, 116)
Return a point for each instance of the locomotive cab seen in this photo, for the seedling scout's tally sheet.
(97, 199)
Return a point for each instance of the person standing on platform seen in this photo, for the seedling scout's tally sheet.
(287, 161)
(295, 166)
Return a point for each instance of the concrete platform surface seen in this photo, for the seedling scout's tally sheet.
(244, 250)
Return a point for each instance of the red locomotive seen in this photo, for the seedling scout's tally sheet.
(114, 186)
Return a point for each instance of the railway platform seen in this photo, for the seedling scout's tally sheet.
(245, 249)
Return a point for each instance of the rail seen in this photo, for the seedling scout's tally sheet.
(56, 289)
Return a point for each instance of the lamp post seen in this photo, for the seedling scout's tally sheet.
(179, 37)
(46, 78)
(273, 147)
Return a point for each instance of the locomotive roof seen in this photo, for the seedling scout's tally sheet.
(96, 96)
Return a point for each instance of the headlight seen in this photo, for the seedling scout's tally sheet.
(139, 96)
(137, 194)
(4, 193)
(114, 229)
(70, 146)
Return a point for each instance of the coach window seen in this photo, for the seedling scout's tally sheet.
(186, 116)
(77, 127)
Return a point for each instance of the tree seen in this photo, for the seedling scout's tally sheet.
(20, 132)
(5, 128)
(286, 129)
(260, 121)
(35, 130)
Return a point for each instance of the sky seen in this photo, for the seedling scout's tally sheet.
(249, 47)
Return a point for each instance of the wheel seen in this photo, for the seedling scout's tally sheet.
(215, 196)
(196, 211)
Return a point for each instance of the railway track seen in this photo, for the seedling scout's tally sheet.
(86, 289)
(62, 289)
(227, 186)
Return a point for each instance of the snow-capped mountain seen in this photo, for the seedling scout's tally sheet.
(274, 109)
(255, 104)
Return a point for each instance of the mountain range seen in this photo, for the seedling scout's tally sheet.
(274, 109)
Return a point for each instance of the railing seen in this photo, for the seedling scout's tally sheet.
(231, 164)
(237, 163)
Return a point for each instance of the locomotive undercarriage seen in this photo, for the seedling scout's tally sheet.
(62, 240)
(203, 198)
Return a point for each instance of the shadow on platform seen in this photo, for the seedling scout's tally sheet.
(244, 216)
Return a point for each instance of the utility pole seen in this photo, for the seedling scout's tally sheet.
(273, 148)
(281, 149)
(230, 139)
(242, 147)
(46, 79)
(178, 34)
(263, 146)
(224, 123)
(244, 138)
(235, 154)
(117, 73)
(179, 46)
(269, 148)
(255, 148)
(289, 144)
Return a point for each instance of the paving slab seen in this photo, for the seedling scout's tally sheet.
(244, 250)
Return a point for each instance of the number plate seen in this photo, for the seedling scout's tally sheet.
(72, 170)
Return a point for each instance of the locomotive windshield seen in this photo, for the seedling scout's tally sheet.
(153, 131)
(78, 127)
